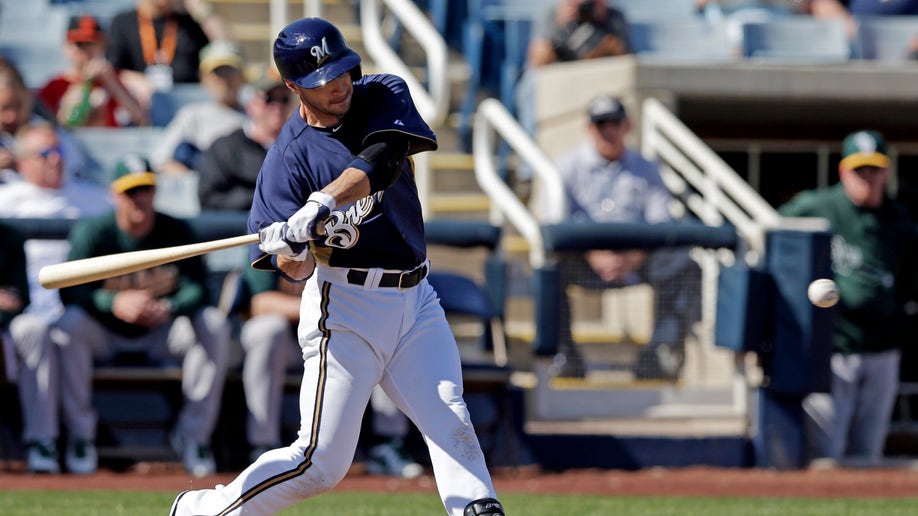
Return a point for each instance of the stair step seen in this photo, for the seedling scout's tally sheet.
(458, 202)
(452, 161)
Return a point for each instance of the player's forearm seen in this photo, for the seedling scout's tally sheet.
(352, 185)
(294, 269)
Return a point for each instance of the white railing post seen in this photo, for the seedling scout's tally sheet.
(433, 101)
(278, 16)
(312, 8)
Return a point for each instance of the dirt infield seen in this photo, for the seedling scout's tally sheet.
(695, 481)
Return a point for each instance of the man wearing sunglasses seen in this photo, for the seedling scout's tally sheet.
(195, 126)
(41, 191)
(229, 167)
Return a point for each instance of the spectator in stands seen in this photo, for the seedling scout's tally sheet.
(268, 337)
(157, 43)
(43, 192)
(195, 126)
(160, 313)
(90, 92)
(606, 181)
(570, 30)
(17, 107)
(229, 167)
(27, 357)
(873, 261)
(577, 29)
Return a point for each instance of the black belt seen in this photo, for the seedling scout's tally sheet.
(400, 280)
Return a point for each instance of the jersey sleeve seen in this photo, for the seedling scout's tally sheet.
(395, 111)
(280, 191)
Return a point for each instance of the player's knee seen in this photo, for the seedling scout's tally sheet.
(484, 507)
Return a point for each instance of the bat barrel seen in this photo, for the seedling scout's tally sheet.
(86, 270)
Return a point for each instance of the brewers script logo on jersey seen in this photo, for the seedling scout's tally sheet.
(341, 228)
(321, 53)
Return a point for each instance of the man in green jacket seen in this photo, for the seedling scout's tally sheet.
(160, 312)
(873, 250)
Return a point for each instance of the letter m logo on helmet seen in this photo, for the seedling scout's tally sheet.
(311, 52)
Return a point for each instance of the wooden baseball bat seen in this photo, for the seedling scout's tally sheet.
(77, 272)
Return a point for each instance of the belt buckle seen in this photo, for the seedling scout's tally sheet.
(419, 270)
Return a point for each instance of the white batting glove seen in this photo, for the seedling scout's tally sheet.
(308, 223)
(273, 241)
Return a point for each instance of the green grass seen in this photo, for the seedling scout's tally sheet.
(345, 503)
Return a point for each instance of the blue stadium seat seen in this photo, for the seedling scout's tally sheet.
(19, 8)
(107, 145)
(37, 63)
(103, 10)
(797, 39)
(656, 10)
(164, 104)
(688, 40)
(885, 38)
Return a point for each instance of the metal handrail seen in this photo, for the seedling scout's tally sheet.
(722, 192)
(433, 101)
(492, 119)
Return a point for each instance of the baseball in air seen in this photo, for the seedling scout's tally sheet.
(823, 293)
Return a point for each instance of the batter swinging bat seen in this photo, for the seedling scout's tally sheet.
(77, 272)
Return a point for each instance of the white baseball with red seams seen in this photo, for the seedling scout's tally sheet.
(823, 293)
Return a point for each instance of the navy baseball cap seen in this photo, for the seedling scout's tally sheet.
(606, 108)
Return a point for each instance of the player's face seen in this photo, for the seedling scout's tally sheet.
(325, 106)
(134, 210)
(865, 186)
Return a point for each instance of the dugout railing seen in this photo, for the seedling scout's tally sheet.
(723, 232)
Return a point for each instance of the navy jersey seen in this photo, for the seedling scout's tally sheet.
(385, 229)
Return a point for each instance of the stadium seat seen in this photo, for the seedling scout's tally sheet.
(688, 40)
(107, 145)
(656, 10)
(885, 38)
(796, 39)
(164, 104)
(36, 63)
(103, 10)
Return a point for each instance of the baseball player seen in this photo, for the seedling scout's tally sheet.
(336, 207)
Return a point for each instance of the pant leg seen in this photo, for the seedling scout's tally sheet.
(81, 338)
(203, 370)
(388, 421)
(846, 371)
(269, 346)
(424, 379)
(870, 423)
(38, 377)
(340, 370)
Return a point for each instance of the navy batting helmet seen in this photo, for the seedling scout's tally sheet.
(311, 52)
